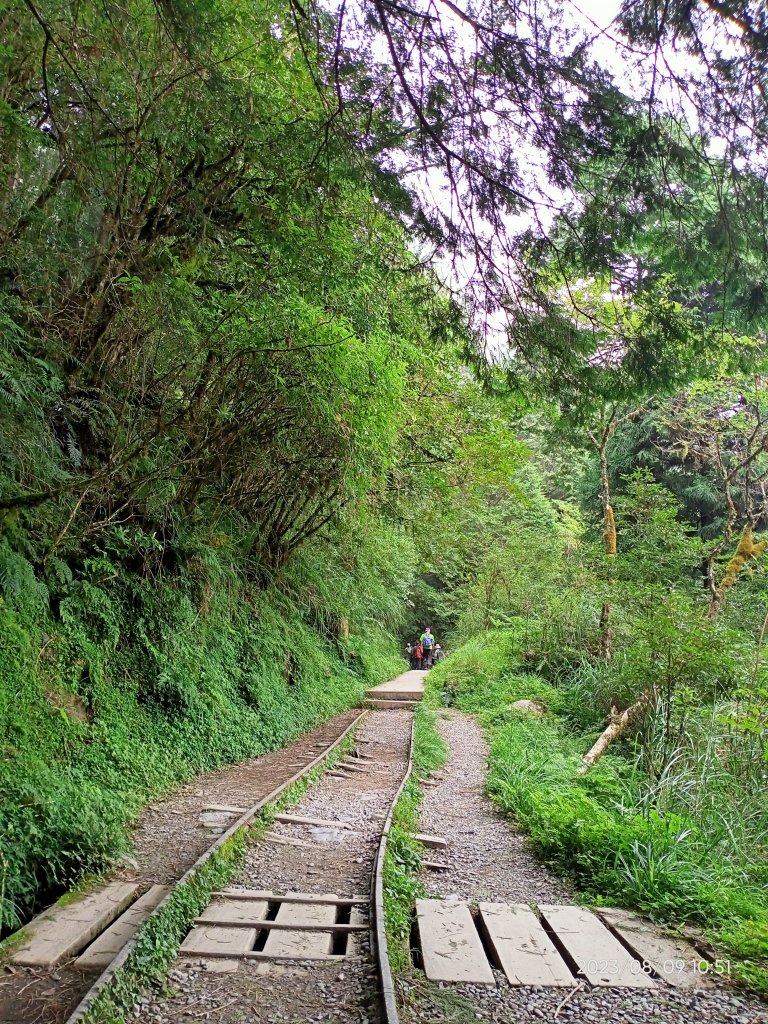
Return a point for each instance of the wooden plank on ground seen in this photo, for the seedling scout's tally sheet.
(434, 842)
(103, 950)
(671, 958)
(301, 943)
(67, 930)
(235, 910)
(450, 945)
(216, 940)
(298, 819)
(527, 955)
(225, 808)
(293, 897)
(598, 954)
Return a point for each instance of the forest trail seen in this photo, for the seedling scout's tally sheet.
(169, 837)
(489, 862)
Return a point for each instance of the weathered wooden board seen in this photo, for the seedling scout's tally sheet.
(103, 950)
(301, 943)
(235, 910)
(598, 954)
(527, 955)
(214, 940)
(297, 819)
(433, 842)
(67, 930)
(450, 945)
(674, 960)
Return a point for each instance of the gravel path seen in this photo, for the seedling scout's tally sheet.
(339, 861)
(490, 859)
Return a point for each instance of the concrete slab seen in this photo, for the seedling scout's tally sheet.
(103, 950)
(271, 837)
(450, 945)
(527, 955)
(390, 705)
(672, 958)
(235, 910)
(216, 940)
(412, 681)
(299, 943)
(597, 953)
(67, 930)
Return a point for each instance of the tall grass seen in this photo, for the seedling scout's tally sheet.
(684, 838)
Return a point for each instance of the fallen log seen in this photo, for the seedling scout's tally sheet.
(620, 722)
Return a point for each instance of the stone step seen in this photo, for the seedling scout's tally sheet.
(66, 930)
(376, 694)
(103, 950)
(390, 705)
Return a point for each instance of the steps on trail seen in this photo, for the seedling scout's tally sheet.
(64, 931)
(103, 950)
(403, 692)
(390, 705)
(552, 945)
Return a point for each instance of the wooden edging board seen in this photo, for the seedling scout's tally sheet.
(242, 822)
(378, 932)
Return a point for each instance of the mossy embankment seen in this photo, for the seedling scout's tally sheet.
(115, 686)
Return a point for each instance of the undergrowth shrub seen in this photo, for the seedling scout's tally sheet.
(121, 685)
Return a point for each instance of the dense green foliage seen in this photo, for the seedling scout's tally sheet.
(215, 347)
(248, 254)
(673, 819)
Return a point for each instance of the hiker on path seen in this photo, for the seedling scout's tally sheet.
(418, 654)
(428, 644)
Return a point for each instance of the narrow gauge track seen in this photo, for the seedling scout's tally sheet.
(299, 935)
(62, 992)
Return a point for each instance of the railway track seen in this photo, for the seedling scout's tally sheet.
(307, 902)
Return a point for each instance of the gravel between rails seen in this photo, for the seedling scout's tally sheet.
(340, 861)
(492, 860)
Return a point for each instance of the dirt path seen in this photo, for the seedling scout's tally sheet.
(338, 861)
(491, 860)
(167, 839)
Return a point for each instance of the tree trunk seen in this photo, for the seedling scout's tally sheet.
(619, 724)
